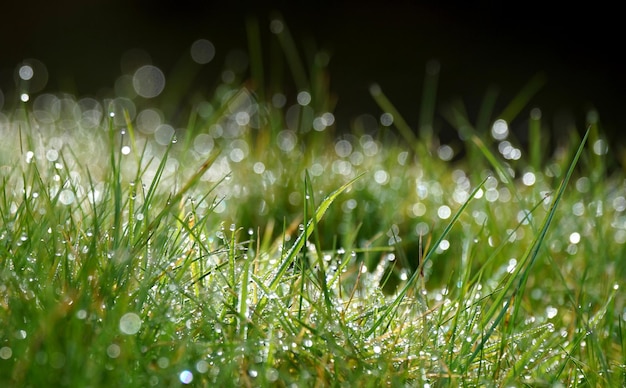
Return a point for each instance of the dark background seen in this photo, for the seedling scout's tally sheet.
(478, 45)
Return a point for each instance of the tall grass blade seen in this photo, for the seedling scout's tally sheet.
(523, 271)
(522, 98)
(289, 258)
(403, 127)
(429, 98)
(392, 307)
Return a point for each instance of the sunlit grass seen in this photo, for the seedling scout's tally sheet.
(258, 244)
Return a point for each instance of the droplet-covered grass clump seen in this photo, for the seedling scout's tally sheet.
(258, 244)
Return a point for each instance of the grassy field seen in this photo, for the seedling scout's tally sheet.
(260, 245)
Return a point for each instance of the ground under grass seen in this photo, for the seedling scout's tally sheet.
(259, 245)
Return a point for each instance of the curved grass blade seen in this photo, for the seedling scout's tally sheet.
(526, 264)
(290, 256)
(308, 230)
(399, 122)
(391, 308)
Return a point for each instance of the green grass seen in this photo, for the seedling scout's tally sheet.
(262, 246)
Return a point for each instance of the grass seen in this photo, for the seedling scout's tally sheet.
(257, 245)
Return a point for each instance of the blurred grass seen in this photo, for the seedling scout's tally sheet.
(260, 245)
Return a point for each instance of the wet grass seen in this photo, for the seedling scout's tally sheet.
(257, 245)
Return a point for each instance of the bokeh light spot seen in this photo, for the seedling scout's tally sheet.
(304, 98)
(276, 26)
(26, 72)
(33, 71)
(343, 148)
(203, 144)
(202, 51)
(148, 121)
(6, 352)
(600, 147)
(528, 178)
(286, 140)
(66, 197)
(386, 119)
(500, 130)
(444, 212)
(148, 81)
(164, 134)
(130, 323)
(445, 153)
(279, 100)
(574, 238)
(186, 377)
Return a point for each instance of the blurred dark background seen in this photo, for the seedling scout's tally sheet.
(478, 44)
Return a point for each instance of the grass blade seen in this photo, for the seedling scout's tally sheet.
(527, 263)
(389, 310)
